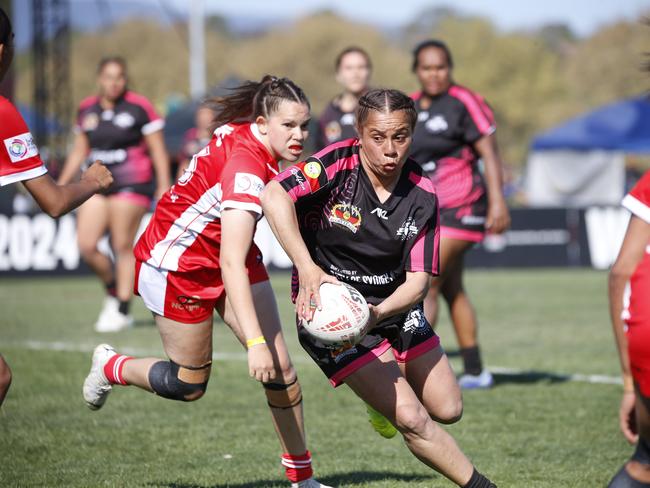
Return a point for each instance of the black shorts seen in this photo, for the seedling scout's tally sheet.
(408, 335)
(465, 223)
(137, 193)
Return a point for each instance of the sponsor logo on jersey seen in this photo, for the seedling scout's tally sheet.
(187, 303)
(415, 322)
(437, 124)
(249, 184)
(472, 220)
(381, 213)
(347, 119)
(347, 216)
(21, 147)
(108, 115)
(422, 116)
(407, 230)
(342, 352)
(114, 156)
(90, 122)
(298, 176)
(333, 131)
(124, 120)
(313, 169)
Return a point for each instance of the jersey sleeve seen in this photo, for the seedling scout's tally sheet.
(424, 254)
(242, 181)
(19, 158)
(152, 122)
(478, 119)
(304, 178)
(638, 200)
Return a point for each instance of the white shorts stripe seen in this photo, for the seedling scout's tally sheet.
(152, 287)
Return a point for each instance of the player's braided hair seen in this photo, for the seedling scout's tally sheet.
(386, 101)
(5, 27)
(252, 99)
(427, 44)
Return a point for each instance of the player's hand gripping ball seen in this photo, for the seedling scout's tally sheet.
(343, 319)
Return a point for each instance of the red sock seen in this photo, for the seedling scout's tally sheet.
(297, 468)
(113, 369)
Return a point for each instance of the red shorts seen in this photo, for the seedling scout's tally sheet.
(189, 297)
(638, 325)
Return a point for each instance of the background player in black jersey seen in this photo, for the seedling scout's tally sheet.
(122, 127)
(55, 200)
(362, 212)
(353, 70)
(454, 131)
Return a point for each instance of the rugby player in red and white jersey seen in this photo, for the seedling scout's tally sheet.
(197, 255)
(122, 129)
(629, 305)
(362, 212)
(20, 161)
(454, 130)
(336, 123)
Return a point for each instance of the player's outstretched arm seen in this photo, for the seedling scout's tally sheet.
(280, 212)
(630, 255)
(57, 200)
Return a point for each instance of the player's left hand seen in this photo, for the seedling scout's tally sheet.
(308, 299)
(626, 417)
(498, 216)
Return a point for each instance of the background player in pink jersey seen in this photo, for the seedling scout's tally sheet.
(364, 212)
(629, 290)
(454, 131)
(197, 255)
(122, 129)
(353, 70)
(20, 161)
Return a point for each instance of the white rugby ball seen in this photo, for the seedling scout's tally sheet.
(343, 318)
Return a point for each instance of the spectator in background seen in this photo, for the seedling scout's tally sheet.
(121, 128)
(629, 289)
(20, 161)
(454, 130)
(198, 136)
(353, 70)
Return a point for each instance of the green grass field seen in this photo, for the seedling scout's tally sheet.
(536, 428)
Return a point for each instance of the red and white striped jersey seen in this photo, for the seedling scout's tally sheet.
(19, 159)
(184, 233)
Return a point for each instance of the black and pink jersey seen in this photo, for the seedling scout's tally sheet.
(443, 143)
(334, 125)
(19, 158)
(350, 233)
(116, 136)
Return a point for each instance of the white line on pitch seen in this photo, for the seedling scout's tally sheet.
(241, 356)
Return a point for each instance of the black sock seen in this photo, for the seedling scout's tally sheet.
(479, 481)
(472, 360)
(124, 307)
(111, 288)
(624, 480)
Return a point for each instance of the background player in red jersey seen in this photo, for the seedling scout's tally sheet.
(353, 70)
(20, 161)
(454, 130)
(364, 212)
(629, 289)
(122, 129)
(197, 255)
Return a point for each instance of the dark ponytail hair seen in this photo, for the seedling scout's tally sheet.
(5, 27)
(431, 43)
(252, 99)
(386, 101)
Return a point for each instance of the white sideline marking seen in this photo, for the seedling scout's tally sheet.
(241, 356)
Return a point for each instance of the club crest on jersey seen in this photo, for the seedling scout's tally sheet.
(21, 147)
(407, 230)
(124, 120)
(313, 169)
(347, 216)
(90, 122)
(249, 184)
(221, 132)
(437, 124)
(342, 352)
(415, 322)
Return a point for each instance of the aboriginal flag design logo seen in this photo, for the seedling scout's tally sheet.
(347, 216)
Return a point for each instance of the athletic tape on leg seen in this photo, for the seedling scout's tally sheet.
(176, 382)
(279, 395)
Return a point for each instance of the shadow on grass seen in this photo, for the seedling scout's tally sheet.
(528, 377)
(343, 479)
(144, 323)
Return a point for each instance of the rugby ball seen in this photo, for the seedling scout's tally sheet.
(343, 318)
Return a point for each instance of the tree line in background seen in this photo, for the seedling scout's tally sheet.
(532, 79)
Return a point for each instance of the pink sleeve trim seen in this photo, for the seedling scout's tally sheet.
(336, 145)
(415, 96)
(422, 182)
(88, 101)
(477, 108)
(144, 102)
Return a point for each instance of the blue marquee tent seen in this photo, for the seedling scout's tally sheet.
(623, 126)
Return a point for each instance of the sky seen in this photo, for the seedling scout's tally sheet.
(582, 16)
